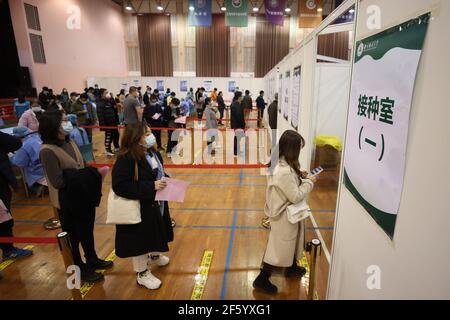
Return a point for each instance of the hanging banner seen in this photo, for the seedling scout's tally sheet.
(286, 94)
(160, 85)
(275, 11)
(236, 14)
(280, 91)
(296, 97)
(308, 16)
(231, 86)
(183, 86)
(201, 15)
(384, 73)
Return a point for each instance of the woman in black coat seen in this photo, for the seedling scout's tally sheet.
(108, 116)
(146, 240)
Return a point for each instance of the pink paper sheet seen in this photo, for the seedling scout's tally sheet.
(181, 120)
(174, 191)
(156, 116)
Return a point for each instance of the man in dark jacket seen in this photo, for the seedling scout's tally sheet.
(237, 118)
(8, 144)
(44, 98)
(153, 115)
(261, 105)
(107, 116)
(221, 105)
(273, 119)
(85, 112)
(247, 104)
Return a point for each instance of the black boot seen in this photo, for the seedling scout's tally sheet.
(99, 264)
(295, 271)
(263, 283)
(89, 275)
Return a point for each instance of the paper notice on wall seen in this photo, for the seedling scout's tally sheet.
(384, 73)
(285, 100)
(295, 109)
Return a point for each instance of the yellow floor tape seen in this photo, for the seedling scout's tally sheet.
(86, 287)
(202, 275)
(305, 279)
(8, 262)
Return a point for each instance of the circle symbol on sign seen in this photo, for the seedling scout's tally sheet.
(311, 4)
(236, 3)
(273, 3)
(360, 49)
(200, 3)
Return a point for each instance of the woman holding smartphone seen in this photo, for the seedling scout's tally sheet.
(287, 185)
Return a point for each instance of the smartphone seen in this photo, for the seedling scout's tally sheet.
(316, 171)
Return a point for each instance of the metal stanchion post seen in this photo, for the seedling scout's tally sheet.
(66, 252)
(316, 248)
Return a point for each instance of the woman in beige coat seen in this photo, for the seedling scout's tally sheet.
(286, 185)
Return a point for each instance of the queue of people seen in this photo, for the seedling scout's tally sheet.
(46, 144)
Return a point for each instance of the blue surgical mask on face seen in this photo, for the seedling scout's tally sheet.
(67, 126)
(150, 140)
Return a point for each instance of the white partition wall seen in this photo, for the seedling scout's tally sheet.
(416, 263)
(114, 84)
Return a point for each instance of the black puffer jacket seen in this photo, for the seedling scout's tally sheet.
(107, 113)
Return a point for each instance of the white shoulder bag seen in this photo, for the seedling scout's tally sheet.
(298, 212)
(121, 210)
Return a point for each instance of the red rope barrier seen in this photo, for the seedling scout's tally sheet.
(36, 240)
(172, 129)
(197, 166)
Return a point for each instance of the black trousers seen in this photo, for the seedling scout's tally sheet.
(157, 134)
(111, 137)
(237, 139)
(80, 227)
(6, 228)
(89, 122)
(260, 117)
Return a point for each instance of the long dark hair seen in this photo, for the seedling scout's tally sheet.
(291, 142)
(50, 128)
(131, 142)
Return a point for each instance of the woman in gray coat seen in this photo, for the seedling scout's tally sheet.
(286, 185)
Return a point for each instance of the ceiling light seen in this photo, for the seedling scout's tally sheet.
(352, 11)
(128, 6)
(223, 8)
(319, 9)
(255, 9)
(287, 9)
(160, 8)
(191, 8)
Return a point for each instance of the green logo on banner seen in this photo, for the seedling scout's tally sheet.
(236, 14)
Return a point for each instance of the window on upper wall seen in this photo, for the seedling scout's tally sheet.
(32, 15)
(37, 47)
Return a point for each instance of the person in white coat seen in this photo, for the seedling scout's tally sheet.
(287, 185)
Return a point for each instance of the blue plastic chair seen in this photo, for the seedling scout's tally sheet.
(87, 152)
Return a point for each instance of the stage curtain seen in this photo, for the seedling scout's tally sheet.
(155, 45)
(212, 46)
(335, 45)
(272, 44)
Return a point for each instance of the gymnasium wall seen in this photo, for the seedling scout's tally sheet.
(98, 47)
(415, 264)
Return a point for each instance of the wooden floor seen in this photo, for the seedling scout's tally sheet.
(222, 213)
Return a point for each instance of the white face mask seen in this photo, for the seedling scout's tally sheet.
(67, 126)
(36, 109)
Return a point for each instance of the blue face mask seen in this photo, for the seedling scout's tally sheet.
(67, 126)
(150, 140)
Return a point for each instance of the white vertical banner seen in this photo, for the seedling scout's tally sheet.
(384, 74)
(295, 106)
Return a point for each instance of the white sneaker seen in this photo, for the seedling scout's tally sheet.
(148, 280)
(161, 261)
(109, 154)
